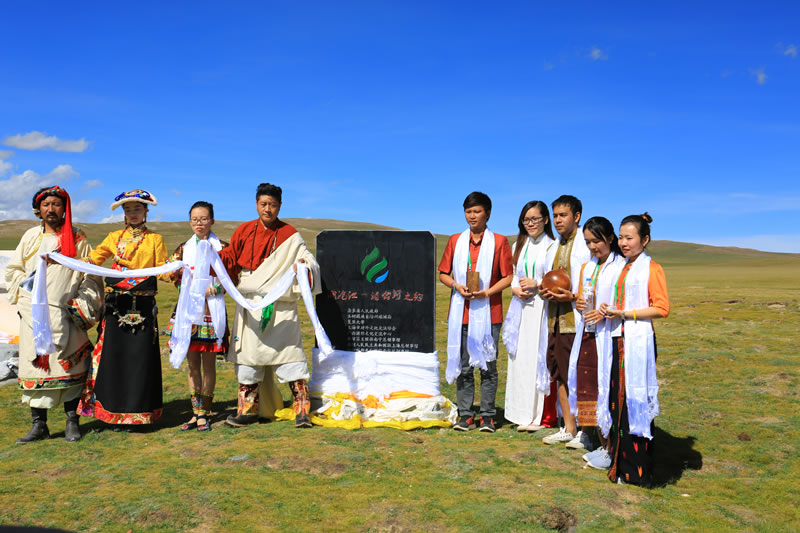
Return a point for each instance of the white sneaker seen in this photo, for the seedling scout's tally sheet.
(533, 428)
(522, 428)
(601, 461)
(582, 441)
(560, 436)
(588, 456)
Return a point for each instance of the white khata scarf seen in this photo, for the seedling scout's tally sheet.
(608, 275)
(191, 302)
(641, 382)
(42, 334)
(480, 344)
(580, 254)
(191, 308)
(527, 259)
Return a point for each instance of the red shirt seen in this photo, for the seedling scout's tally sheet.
(501, 267)
(251, 243)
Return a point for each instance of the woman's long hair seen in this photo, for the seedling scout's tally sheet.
(523, 233)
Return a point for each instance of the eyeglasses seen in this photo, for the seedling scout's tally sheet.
(534, 220)
(203, 220)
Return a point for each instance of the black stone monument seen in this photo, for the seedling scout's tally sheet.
(378, 289)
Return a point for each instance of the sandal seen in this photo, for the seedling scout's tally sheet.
(205, 426)
(191, 424)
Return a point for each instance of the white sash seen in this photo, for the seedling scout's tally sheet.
(580, 254)
(514, 315)
(641, 382)
(606, 278)
(480, 345)
(181, 335)
(42, 334)
(216, 303)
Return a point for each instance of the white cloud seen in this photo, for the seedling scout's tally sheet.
(15, 202)
(760, 75)
(92, 184)
(37, 140)
(548, 66)
(113, 217)
(84, 209)
(597, 54)
(790, 51)
(5, 166)
(175, 192)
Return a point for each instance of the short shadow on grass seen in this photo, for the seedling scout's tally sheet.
(174, 415)
(673, 456)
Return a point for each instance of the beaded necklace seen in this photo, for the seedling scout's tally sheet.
(137, 236)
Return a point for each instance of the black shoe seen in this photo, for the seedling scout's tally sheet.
(38, 431)
(240, 421)
(302, 421)
(465, 423)
(72, 431)
(487, 425)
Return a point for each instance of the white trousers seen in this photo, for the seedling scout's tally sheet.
(287, 372)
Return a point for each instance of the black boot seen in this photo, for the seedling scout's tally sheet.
(39, 429)
(72, 432)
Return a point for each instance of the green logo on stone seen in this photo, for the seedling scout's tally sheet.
(372, 273)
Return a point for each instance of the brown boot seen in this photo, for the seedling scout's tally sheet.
(247, 412)
(302, 403)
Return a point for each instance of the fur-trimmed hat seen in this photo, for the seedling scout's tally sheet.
(136, 195)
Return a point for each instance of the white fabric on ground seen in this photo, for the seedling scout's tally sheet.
(374, 373)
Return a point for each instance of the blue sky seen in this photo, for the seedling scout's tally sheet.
(393, 112)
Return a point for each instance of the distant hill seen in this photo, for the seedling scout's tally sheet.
(668, 253)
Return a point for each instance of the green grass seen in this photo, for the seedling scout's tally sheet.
(726, 450)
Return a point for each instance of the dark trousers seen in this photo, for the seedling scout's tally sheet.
(465, 383)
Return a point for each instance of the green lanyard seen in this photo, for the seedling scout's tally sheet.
(469, 261)
(525, 262)
(617, 295)
(594, 278)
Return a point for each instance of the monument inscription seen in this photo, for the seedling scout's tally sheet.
(378, 289)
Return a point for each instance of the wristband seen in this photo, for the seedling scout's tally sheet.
(634, 315)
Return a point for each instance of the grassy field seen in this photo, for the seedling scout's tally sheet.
(727, 443)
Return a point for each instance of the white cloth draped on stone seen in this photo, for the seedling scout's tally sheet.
(379, 389)
(511, 324)
(480, 344)
(579, 255)
(41, 321)
(374, 373)
(641, 382)
(606, 278)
